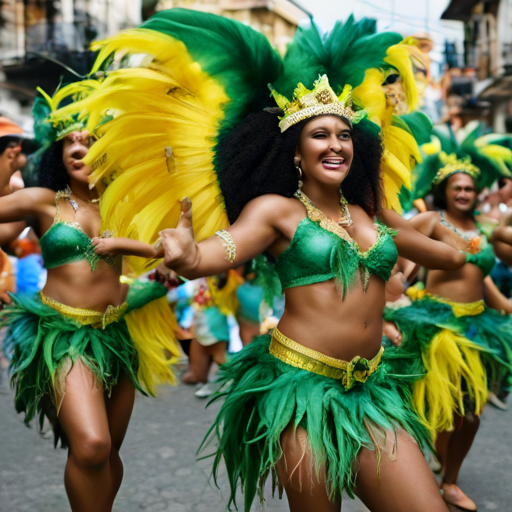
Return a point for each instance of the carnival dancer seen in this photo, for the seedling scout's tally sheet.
(78, 354)
(453, 323)
(270, 407)
(323, 410)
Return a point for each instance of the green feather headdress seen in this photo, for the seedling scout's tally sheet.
(48, 130)
(485, 158)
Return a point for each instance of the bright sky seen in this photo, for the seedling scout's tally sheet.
(404, 16)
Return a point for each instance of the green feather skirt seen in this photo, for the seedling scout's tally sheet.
(463, 356)
(489, 331)
(43, 345)
(263, 396)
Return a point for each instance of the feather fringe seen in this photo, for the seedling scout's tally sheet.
(263, 396)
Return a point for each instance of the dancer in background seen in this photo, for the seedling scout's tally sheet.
(455, 324)
(78, 353)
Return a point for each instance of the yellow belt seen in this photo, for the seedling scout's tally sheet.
(96, 319)
(299, 356)
(459, 308)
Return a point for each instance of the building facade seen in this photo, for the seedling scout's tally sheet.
(35, 34)
(488, 53)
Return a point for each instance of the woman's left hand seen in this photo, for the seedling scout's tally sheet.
(104, 246)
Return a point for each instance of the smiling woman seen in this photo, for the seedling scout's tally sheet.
(459, 188)
(315, 402)
(271, 159)
(79, 349)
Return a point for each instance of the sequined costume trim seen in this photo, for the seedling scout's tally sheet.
(299, 356)
(96, 319)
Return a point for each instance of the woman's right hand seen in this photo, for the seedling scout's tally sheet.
(180, 249)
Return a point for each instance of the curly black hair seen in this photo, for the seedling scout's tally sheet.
(257, 159)
(52, 172)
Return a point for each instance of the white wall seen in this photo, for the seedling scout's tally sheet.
(403, 16)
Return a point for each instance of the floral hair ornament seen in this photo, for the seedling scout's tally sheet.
(454, 165)
(321, 100)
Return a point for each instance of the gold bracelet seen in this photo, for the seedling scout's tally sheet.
(229, 245)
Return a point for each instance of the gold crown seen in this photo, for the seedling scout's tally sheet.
(454, 165)
(320, 100)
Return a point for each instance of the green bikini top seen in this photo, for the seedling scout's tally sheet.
(66, 242)
(485, 259)
(321, 250)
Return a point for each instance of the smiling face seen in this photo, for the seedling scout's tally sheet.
(74, 148)
(325, 150)
(461, 193)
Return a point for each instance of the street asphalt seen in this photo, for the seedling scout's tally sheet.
(162, 473)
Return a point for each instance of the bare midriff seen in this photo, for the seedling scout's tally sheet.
(463, 285)
(316, 316)
(75, 285)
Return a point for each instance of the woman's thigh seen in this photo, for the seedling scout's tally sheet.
(119, 410)
(83, 414)
(401, 482)
(305, 488)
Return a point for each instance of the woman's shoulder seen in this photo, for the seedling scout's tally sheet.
(273, 204)
(39, 194)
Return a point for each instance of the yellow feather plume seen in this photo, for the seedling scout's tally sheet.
(152, 329)
(402, 151)
(450, 358)
(168, 115)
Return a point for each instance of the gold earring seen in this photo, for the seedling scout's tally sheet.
(296, 162)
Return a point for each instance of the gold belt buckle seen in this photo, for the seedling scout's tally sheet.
(358, 370)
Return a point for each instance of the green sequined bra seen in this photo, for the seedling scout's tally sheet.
(321, 250)
(485, 259)
(66, 242)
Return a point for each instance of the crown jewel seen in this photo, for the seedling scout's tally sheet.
(454, 165)
(320, 100)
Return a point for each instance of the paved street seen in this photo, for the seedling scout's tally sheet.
(161, 473)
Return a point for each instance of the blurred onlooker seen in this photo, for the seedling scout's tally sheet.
(12, 161)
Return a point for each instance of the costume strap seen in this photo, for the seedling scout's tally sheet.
(299, 356)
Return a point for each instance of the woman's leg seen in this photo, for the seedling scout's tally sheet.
(402, 484)
(217, 351)
(457, 448)
(119, 411)
(305, 492)
(199, 364)
(248, 330)
(83, 417)
(442, 440)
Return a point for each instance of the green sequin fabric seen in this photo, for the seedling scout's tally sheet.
(316, 255)
(66, 242)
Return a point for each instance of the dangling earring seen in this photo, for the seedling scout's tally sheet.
(296, 162)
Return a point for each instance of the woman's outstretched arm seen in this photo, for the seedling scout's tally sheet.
(501, 240)
(414, 242)
(253, 232)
